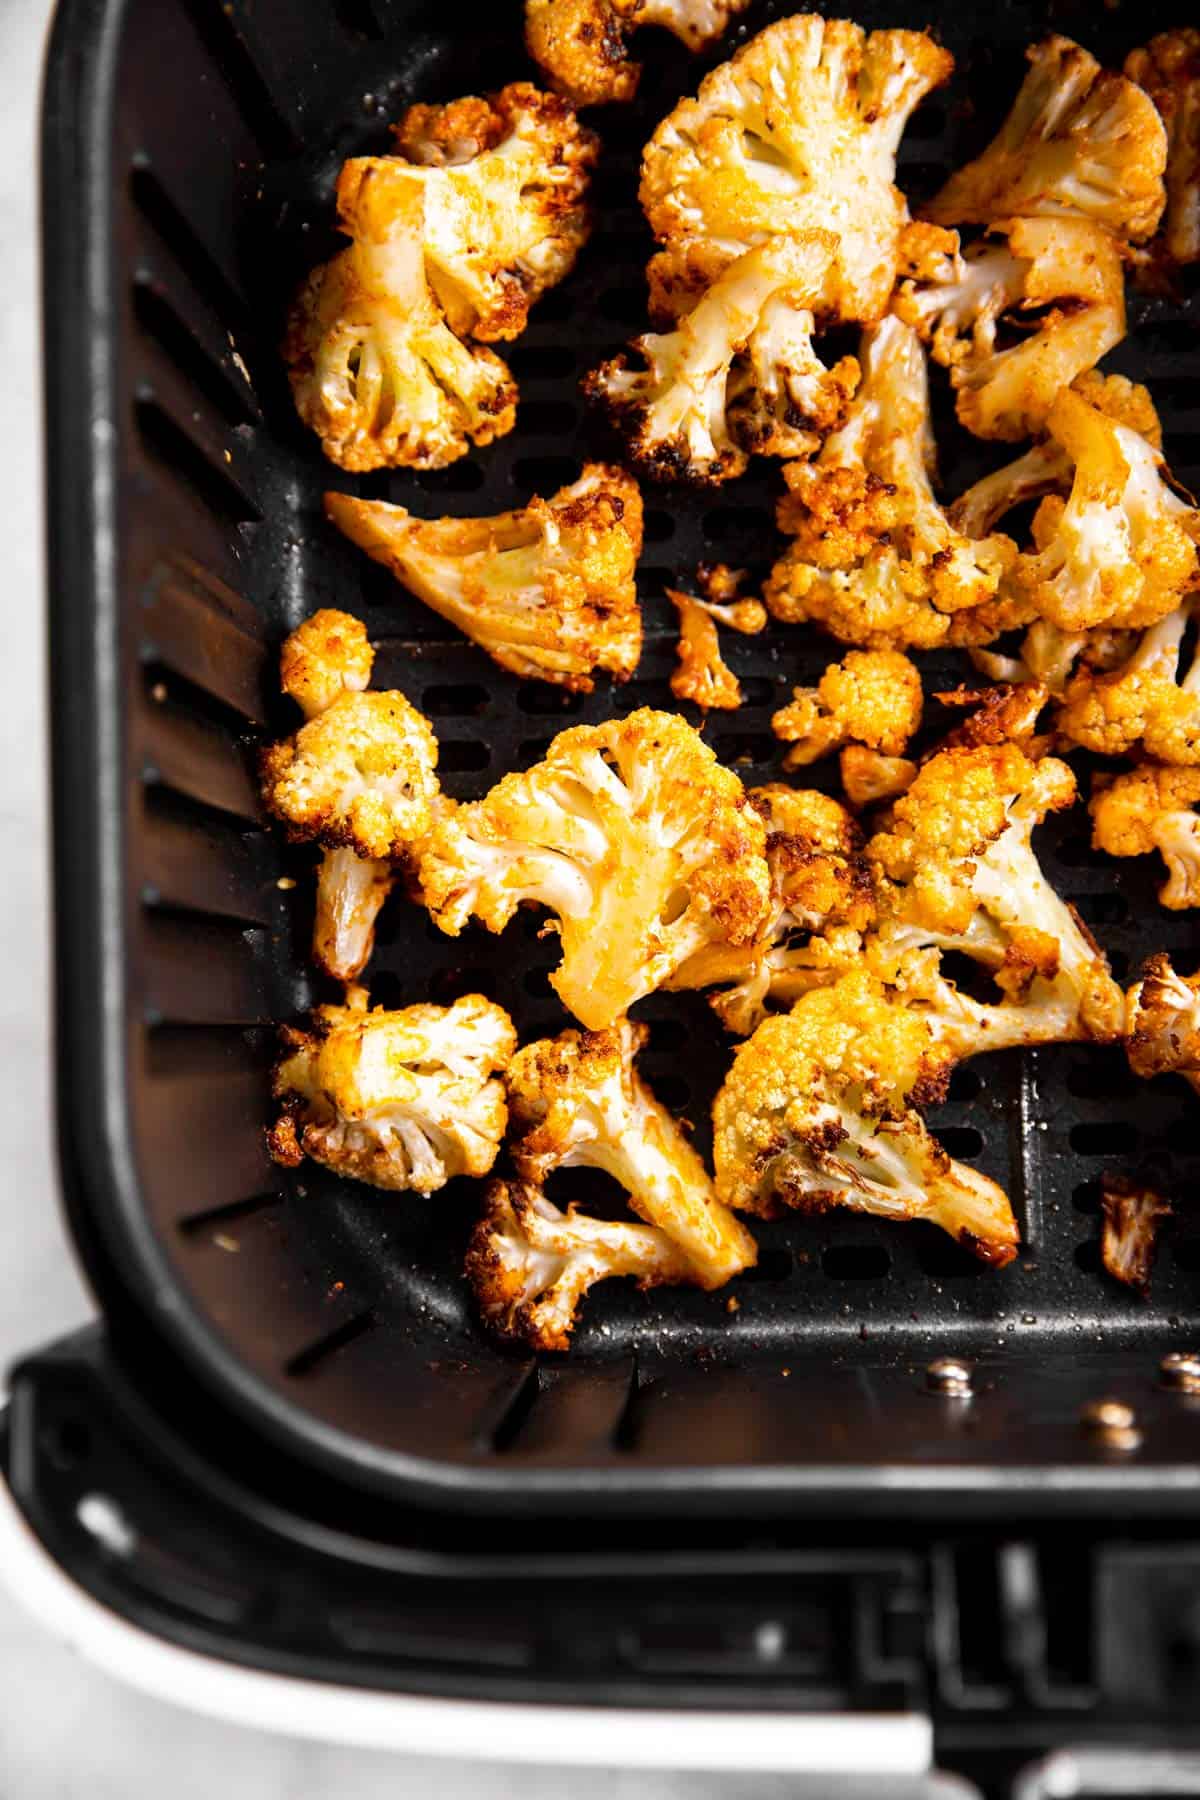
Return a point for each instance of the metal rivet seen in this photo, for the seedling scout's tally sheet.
(1112, 1423)
(949, 1376)
(1181, 1369)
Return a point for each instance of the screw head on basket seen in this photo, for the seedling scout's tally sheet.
(1112, 1423)
(949, 1375)
(1181, 1369)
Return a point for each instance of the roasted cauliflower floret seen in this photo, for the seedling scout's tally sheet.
(1150, 808)
(402, 1099)
(576, 1101)
(1142, 702)
(1163, 1022)
(580, 45)
(1169, 69)
(868, 777)
(1121, 550)
(359, 775)
(821, 903)
(819, 1110)
(1078, 142)
(956, 871)
(702, 675)
(872, 696)
(1132, 1213)
(375, 370)
(873, 557)
(530, 1265)
(504, 183)
(737, 373)
(797, 132)
(548, 591)
(1067, 274)
(633, 834)
(328, 655)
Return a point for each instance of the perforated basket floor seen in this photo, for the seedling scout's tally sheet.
(336, 1315)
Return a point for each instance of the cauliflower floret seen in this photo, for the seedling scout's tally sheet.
(703, 676)
(873, 556)
(530, 1265)
(1142, 702)
(633, 834)
(819, 1110)
(1163, 1022)
(956, 871)
(797, 132)
(580, 44)
(328, 655)
(1066, 272)
(871, 696)
(869, 777)
(361, 774)
(1078, 142)
(1150, 808)
(1169, 70)
(548, 591)
(401, 1099)
(1119, 551)
(351, 890)
(821, 903)
(1005, 714)
(375, 370)
(576, 1101)
(1132, 1214)
(681, 414)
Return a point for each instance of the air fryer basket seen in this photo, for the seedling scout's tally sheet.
(192, 150)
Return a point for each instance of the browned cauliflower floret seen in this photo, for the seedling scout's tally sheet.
(797, 132)
(737, 373)
(1132, 1213)
(633, 834)
(580, 44)
(1079, 142)
(325, 657)
(1005, 714)
(1121, 550)
(1142, 702)
(530, 1265)
(375, 369)
(548, 591)
(1169, 70)
(872, 696)
(873, 557)
(576, 1101)
(402, 1099)
(1163, 1022)
(1147, 809)
(868, 777)
(1060, 279)
(956, 871)
(819, 1110)
(821, 903)
(702, 675)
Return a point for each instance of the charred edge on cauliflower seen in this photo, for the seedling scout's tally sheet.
(1132, 1214)
(581, 45)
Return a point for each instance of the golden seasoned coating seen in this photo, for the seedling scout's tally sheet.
(1132, 1214)
(819, 1110)
(633, 834)
(821, 903)
(375, 370)
(702, 674)
(1060, 280)
(872, 696)
(580, 45)
(530, 1265)
(1121, 550)
(361, 774)
(328, 655)
(1078, 142)
(874, 558)
(1168, 67)
(351, 890)
(1150, 808)
(1163, 1022)
(1142, 702)
(955, 870)
(548, 590)
(737, 373)
(1005, 714)
(576, 1101)
(400, 1100)
(869, 777)
(797, 132)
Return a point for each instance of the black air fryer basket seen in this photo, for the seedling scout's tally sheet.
(330, 1468)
